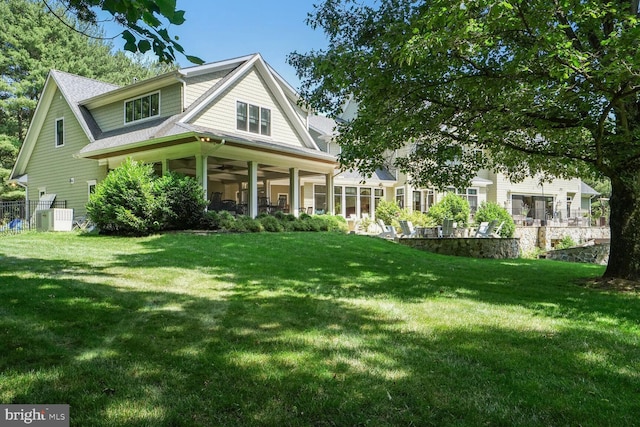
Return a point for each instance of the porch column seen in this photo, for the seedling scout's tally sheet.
(408, 197)
(201, 173)
(294, 191)
(253, 189)
(165, 166)
(330, 194)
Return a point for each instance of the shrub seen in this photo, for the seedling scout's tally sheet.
(489, 211)
(210, 220)
(271, 224)
(566, 242)
(247, 224)
(451, 206)
(417, 218)
(388, 211)
(335, 223)
(181, 201)
(124, 202)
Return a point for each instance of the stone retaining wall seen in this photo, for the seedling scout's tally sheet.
(595, 254)
(544, 237)
(468, 247)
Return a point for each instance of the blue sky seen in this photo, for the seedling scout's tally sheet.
(217, 29)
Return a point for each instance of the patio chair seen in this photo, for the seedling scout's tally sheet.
(83, 223)
(387, 230)
(229, 206)
(263, 205)
(486, 228)
(496, 233)
(407, 229)
(282, 204)
(447, 227)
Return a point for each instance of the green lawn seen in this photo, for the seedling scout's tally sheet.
(309, 329)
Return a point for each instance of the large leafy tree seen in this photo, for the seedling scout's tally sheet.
(544, 87)
(33, 41)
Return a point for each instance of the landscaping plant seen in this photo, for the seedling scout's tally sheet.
(453, 207)
(489, 211)
(125, 202)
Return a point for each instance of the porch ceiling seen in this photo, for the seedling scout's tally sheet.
(229, 170)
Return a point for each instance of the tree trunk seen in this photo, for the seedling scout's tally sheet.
(624, 258)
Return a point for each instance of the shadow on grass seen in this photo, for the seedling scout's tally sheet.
(299, 340)
(386, 270)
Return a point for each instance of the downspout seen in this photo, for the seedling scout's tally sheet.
(27, 212)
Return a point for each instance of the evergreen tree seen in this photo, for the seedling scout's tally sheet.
(33, 41)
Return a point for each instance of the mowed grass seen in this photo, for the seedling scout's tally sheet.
(309, 329)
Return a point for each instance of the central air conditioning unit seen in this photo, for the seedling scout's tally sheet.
(54, 220)
(44, 220)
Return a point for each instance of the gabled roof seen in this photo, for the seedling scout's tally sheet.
(83, 94)
(150, 132)
(379, 176)
(253, 62)
(587, 190)
(74, 89)
(323, 125)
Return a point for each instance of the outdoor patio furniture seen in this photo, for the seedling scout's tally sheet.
(387, 230)
(447, 228)
(263, 205)
(215, 202)
(229, 206)
(486, 228)
(407, 229)
(496, 233)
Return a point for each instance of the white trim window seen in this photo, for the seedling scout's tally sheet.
(253, 118)
(91, 187)
(59, 131)
(469, 194)
(400, 196)
(142, 108)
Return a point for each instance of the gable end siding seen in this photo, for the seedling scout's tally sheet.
(53, 167)
(197, 86)
(251, 89)
(110, 117)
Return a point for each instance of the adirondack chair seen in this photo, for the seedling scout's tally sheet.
(447, 227)
(496, 233)
(407, 228)
(387, 230)
(486, 228)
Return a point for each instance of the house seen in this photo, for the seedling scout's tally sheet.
(238, 128)
(529, 201)
(235, 125)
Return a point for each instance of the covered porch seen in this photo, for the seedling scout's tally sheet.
(235, 173)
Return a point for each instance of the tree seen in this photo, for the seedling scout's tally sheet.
(8, 155)
(142, 20)
(32, 41)
(543, 87)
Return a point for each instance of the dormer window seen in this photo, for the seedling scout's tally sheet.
(253, 118)
(142, 108)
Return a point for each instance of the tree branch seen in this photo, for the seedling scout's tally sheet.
(61, 19)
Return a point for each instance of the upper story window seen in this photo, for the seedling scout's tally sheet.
(253, 118)
(59, 132)
(142, 108)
